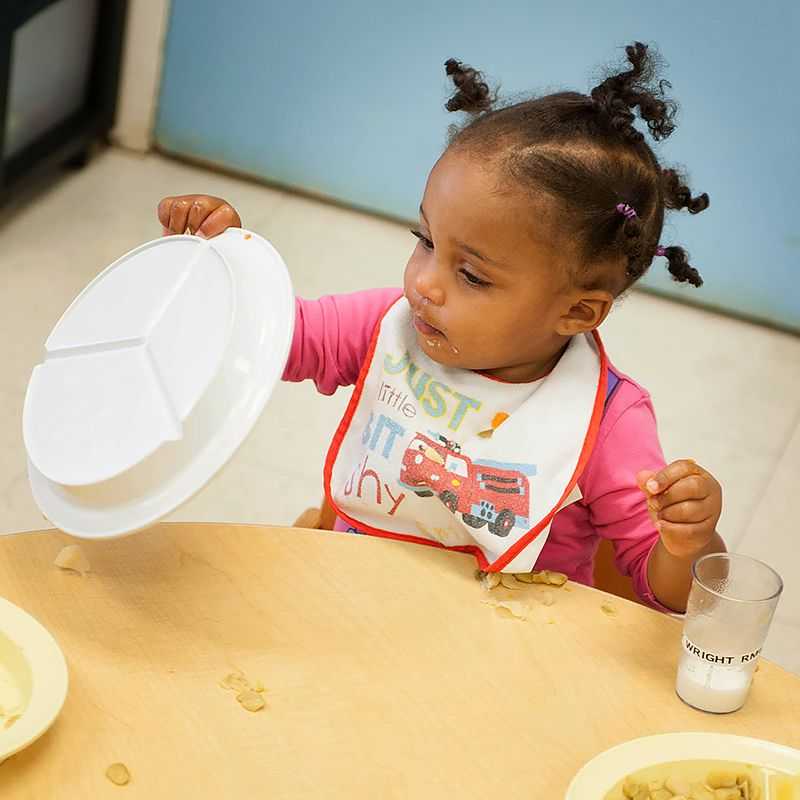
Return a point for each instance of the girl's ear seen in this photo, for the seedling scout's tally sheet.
(587, 309)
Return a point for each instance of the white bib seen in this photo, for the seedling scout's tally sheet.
(456, 459)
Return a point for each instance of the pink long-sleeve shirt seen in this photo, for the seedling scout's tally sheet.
(331, 339)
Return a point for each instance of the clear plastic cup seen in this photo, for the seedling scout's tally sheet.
(730, 608)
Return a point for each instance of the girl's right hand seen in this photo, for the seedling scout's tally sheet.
(199, 214)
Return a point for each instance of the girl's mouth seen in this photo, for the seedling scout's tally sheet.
(425, 329)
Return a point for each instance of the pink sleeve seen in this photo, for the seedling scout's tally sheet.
(628, 443)
(332, 336)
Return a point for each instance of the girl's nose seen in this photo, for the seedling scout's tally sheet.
(428, 287)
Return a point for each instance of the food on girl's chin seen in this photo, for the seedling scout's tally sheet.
(706, 780)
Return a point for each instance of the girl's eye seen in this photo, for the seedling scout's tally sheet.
(426, 242)
(472, 279)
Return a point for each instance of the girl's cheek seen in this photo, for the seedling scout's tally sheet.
(410, 275)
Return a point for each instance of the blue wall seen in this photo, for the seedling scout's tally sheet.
(345, 99)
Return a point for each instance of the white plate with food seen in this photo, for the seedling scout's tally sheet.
(33, 679)
(152, 379)
(691, 766)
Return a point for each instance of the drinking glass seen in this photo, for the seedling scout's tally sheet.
(729, 611)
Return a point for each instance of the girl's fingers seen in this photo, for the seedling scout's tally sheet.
(684, 540)
(687, 511)
(694, 487)
(178, 215)
(671, 474)
(202, 207)
(218, 221)
(164, 208)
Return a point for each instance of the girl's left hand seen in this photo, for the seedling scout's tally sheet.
(685, 503)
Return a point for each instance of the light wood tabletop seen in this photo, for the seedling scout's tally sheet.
(386, 673)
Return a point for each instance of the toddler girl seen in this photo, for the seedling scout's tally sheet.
(486, 415)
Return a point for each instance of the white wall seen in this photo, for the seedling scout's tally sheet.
(141, 73)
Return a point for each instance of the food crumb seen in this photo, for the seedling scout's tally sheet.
(547, 599)
(544, 576)
(72, 559)
(608, 610)
(509, 581)
(235, 681)
(248, 236)
(250, 700)
(249, 697)
(118, 773)
(488, 579)
(516, 608)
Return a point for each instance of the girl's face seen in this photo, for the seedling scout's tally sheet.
(488, 287)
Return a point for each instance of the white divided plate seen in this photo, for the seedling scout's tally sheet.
(31, 658)
(603, 772)
(152, 379)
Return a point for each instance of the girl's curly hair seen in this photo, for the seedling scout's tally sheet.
(585, 153)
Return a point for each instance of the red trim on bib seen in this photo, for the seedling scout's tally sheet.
(583, 459)
(336, 444)
(515, 549)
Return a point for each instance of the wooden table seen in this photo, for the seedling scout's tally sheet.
(386, 674)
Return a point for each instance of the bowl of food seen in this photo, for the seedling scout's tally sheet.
(33, 679)
(691, 766)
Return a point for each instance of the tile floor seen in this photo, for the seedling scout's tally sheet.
(727, 393)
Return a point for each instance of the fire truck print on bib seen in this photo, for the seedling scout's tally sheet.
(481, 492)
(452, 458)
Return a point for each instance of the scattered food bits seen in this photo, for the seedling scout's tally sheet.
(488, 579)
(250, 700)
(72, 559)
(248, 236)
(10, 721)
(630, 787)
(249, 697)
(549, 578)
(726, 781)
(700, 792)
(516, 608)
(235, 681)
(547, 599)
(118, 773)
(721, 780)
(678, 786)
(608, 610)
(508, 580)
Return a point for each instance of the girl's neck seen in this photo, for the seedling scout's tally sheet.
(530, 371)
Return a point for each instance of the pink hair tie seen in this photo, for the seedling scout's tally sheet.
(627, 211)
(661, 251)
